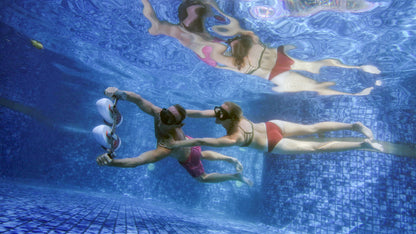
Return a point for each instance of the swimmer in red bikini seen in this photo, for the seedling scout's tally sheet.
(250, 56)
(168, 124)
(273, 136)
(245, 53)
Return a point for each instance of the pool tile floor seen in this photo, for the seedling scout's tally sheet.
(26, 208)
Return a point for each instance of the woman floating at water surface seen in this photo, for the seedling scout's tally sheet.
(274, 136)
(245, 53)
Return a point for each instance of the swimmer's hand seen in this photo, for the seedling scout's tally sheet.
(104, 159)
(114, 92)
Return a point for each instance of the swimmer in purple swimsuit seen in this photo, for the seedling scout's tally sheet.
(245, 53)
(168, 124)
(273, 136)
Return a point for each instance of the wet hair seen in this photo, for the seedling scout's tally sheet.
(235, 114)
(234, 111)
(240, 49)
(196, 26)
(181, 111)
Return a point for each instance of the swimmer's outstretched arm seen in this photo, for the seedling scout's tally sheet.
(224, 141)
(142, 103)
(158, 27)
(200, 113)
(145, 158)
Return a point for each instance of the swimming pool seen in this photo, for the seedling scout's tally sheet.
(48, 110)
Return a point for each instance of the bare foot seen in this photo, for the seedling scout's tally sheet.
(372, 145)
(288, 47)
(244, 179)
(359, 127)
(238, 165)
(370, 69)
(366, 91)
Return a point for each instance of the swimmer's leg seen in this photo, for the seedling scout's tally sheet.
(291, 81)
(213, 156)
(326, 92)
(292, 146)
(359, 127)
(244, 180)
(315, 66)
(217, 178)
(290, 129)
(372, 145)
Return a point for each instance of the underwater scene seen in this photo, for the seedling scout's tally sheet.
(294, 116)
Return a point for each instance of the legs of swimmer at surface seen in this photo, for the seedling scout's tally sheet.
(217, 177)
(213, 156)
(293, 129)
(291, 81)
(315, 66)
(292, 146)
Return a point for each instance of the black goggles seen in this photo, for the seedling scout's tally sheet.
(221, 113)
(167, 117)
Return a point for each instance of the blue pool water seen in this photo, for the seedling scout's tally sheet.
(49, 178)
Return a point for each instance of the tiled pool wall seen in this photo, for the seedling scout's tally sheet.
(340, 192)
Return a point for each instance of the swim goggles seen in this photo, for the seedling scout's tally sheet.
(167, 117)
(221, 113)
